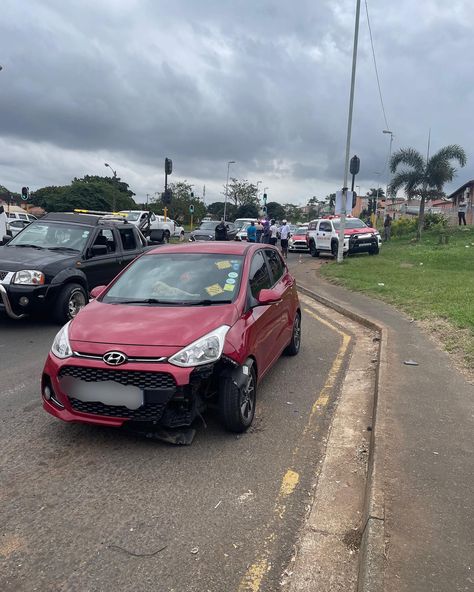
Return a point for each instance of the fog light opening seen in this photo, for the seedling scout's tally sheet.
(24, 301)
(47, 392)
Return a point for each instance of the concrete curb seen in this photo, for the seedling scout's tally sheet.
(372, 549)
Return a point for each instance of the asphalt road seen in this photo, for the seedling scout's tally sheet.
(92, 509)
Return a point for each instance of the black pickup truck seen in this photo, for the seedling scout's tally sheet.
(51, 266)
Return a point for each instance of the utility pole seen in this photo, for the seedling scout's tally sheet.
(342, 225)
(227, 187)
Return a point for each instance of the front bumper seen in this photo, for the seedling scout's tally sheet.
(19, 301)
(172, 397)
(298, 246)
(363, 245)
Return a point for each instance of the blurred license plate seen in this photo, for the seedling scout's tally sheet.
(107, 392)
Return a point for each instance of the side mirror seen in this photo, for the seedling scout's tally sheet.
(97, 250)
(6, 239)
(97, 291)
(268, 297)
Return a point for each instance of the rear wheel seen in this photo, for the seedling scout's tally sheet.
(70, 302)
(295, 343)
(237, 404)
(312, 249)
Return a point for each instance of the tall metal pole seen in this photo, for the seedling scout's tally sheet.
(227, 187)
(342, 225)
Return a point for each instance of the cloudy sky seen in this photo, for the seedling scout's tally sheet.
(261, 82)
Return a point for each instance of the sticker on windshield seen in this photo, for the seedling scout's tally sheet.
(223, 264)
(230, 281)
(229, 287)
(232, 274)
(214, 290)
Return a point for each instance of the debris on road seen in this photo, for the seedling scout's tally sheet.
(410, 363)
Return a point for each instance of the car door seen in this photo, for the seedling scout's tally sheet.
(284, 284)
(323, 235)
(101, 269)
(263, 326)
(130, 245)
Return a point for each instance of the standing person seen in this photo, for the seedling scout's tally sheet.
(273, 233)
(252, 232)
(462, 207)
(266, 232)
(387, 227)
(284, 236)
(3, 223)
(220, 233)
(259, 231)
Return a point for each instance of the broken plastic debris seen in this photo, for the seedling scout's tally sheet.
(218, 504)
(410, 363)
(381, 284)
(195, 550)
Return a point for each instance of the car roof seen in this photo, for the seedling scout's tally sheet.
(79, 218)
(211, 247)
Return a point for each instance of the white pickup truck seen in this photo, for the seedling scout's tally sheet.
(140, 218)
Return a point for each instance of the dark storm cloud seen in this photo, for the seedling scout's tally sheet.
(262, 82)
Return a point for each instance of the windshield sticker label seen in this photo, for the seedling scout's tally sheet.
(232, 274)
(214, 290)
(223, 264)
(230, 281)
(229, 287)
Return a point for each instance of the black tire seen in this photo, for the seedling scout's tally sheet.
(294, 346)
(374, 250)
(167, 236)
(72, 298)
(312, 249)
(237, 405)
(334, 247)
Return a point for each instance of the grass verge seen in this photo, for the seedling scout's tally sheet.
(431, 282)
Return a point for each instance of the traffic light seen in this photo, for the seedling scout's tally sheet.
(166, 197)
(168, 166)
(264, 198)
(25, 191)
(192, 194)
(355, 165)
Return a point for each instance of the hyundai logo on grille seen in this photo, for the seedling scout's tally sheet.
(114, 358)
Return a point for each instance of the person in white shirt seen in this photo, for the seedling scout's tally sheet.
(273, 233)
(284, 236)
(3, 223)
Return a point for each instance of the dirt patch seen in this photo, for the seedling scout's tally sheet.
(352, 539)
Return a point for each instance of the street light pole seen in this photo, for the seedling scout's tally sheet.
(340, 249)
(115, 177)
(388, 164)
(227, 186)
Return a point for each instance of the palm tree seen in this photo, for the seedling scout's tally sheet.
(422, 177)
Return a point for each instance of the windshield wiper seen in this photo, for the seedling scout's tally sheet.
(206, 302)
(62, 249)
(30, 246)
(145, 301)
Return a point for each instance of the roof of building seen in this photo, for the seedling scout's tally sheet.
(465, 186)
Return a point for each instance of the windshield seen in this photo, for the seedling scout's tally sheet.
(208, 226)
(131, 216)
(178, 279)
(301, 230)
(59, 235)
(350, 223)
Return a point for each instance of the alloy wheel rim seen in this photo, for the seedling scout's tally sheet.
(76, 302)
(247, 401)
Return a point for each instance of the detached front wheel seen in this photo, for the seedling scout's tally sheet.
(237, 400)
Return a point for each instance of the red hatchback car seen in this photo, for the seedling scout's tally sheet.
(181, 327)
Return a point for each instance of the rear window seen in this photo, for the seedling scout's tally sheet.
(179, 279)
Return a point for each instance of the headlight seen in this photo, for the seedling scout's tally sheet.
(205, 350)
(61, 348)
(28, 277)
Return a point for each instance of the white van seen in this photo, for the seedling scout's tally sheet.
(21, 216)
(241, 222)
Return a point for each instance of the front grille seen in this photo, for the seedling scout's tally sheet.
(145, 413)
(202, 238)
(3, 275)
(142, 380)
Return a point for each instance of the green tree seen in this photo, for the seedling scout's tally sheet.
(88, 193)
(179, 207)
(242, 192)
(247, 210)
(376, 191)
(292, 212)
(216, 210)
(424, 177)
(275, 211)
(331, 202)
